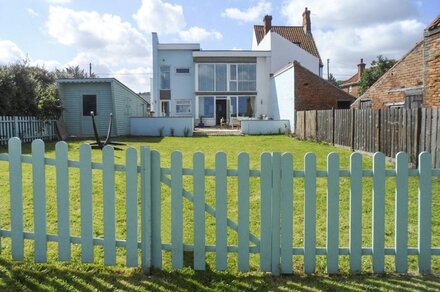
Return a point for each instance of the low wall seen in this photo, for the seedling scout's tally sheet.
(161, 126)
(264, 127)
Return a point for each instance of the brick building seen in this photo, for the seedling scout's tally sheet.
(414, 81)
(351, 85)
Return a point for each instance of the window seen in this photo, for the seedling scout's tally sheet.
(242, 106)
(183, 106)
(220, 77)
(206, 106)
(182, 70)
(206, 77)
(89, 105)
(217, 77)
(164, 108)
(164, 77)
(242, 77)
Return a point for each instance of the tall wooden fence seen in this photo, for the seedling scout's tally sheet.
(273, 242)
(26, 128)
(386, 130)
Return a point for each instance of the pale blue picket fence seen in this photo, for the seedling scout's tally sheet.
(274, 244)
(27, 128)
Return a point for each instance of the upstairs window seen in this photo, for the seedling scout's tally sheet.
(165, 77)
(89, 105)
(226, 77)
(242, 77)
(182, 70)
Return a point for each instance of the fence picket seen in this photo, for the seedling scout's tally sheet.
(16, 191)
(309, 213)
(63, 211)
(146, 208)
(156, 240)
(176, 210)
(286, 213)
(425, 212)
(39, 187)
(332, 213)
(86, 203)
(378, 212)
(276, 205)
(221, 248)
(108, 169)
(131, 205)
(265, 212)
(199, 211)
(243, 212)
(401, 213)
(355, 212)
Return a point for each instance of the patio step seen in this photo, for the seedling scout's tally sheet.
(215, 132)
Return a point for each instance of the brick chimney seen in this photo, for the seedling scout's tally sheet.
(361, 68)
(267, 23)
(307, 24)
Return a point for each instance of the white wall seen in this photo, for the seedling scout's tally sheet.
(283, 95)
(263, 98)
(283, 52)
(152, 126)
(182, 85)
(264, 127)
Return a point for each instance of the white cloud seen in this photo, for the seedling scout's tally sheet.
(161, 17)
(58, 1)
(137, 78)
(104, 36)
(346, 31)
(197, 34)
(252, 14)
(10, 52)
(32, 12)
(50, 65)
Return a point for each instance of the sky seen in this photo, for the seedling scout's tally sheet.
(115, 36)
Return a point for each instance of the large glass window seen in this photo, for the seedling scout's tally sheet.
(165, 77)
(206, 106)
(221, 77)
(233, 106)
(215, 77)
(242, 106)
(206, 77)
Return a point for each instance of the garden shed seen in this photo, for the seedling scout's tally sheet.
(102, 96)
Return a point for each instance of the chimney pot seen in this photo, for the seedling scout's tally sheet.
(307, 24)
(267, 23)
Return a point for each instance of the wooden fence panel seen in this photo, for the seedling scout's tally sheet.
(311, 125)
(300, 126)
(26, 128)
(343, 124)
(325, 126)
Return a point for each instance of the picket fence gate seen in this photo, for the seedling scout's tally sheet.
(275, 242)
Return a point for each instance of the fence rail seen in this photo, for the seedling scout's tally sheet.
(386, 130)
(273, 242)
(26, 128)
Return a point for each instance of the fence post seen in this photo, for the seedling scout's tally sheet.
(333, 126)
(146, 209)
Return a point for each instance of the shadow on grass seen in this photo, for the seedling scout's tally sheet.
(15, 276)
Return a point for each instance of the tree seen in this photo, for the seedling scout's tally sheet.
(372, 74)
(73, 72)
(28, 91)
(333, 80)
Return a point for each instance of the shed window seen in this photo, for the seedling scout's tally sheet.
(89, 105)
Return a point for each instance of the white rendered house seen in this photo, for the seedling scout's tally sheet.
(222, 85)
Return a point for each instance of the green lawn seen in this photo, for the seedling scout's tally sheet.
(60, 276)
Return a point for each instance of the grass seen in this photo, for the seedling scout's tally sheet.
(63, 276)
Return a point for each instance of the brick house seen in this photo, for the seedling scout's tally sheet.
(351, 85)
(414, 81)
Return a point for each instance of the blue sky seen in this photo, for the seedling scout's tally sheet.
(115, 36)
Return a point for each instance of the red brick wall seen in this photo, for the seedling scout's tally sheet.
(408, 72)
(314, 93)
(432, 71)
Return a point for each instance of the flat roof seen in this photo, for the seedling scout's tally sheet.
(178, 47)
(231, 53)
